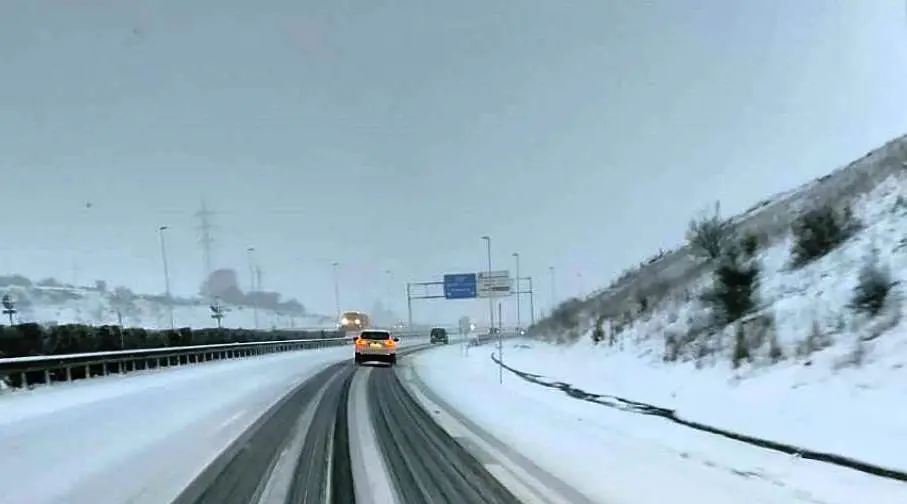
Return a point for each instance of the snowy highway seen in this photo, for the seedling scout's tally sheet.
(311, 426)
(297, 427)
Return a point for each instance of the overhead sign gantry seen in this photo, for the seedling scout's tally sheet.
(494, 284)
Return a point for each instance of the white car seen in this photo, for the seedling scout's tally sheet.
(373, 345)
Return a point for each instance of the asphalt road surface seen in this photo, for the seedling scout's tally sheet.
(349, 434)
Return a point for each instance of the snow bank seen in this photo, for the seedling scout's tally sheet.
(826, 400)
(138, 438)
(619, 457)
(844, 396)
(854, 412)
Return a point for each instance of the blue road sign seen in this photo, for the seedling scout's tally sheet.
(460, 286)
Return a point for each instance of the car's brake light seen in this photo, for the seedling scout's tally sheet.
(360, 342)
(390, 343)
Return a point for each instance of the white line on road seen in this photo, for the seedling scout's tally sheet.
(519, 480)
(371, 477)
(277, 489)
(328, 497)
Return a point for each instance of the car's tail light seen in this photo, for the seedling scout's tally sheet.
(360, 342)
(390, 343)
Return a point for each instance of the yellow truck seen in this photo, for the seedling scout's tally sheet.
(354, 321)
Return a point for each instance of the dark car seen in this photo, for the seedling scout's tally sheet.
(439, 335)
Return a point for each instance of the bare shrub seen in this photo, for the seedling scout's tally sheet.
(775, 352)
(733, 291)
(598, 333)
(741, 347)
(672, 348)
(873, 286)
(819, 231)
(815, 341)
(708, 235)
(758, 330)
(751, 243)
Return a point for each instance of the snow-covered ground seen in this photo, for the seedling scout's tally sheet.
(139, 438)
(847, 398)
(64, 305)
(839, 383)
(852, 412)
(619, 457)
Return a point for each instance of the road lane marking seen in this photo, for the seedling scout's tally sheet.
(371, 477)
(280, 479)
(520, 490)
(511, 474)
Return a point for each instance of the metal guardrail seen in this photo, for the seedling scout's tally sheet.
(24, 371)
(45, 369)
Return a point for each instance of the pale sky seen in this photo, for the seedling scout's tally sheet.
(392, 135)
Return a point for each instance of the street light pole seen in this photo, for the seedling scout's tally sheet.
(553, 297)
(336, 265)
(252, 287)
(500, 345)
(516, 256)
(490, 298)
(389, 280)
(160, 231)
(409, 306)
(531, 301)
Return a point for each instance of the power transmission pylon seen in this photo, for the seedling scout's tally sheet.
(206, 240)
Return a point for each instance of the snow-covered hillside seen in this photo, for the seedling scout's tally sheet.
(63, 304)
(771, 216)
(804, 306)
(821, 373)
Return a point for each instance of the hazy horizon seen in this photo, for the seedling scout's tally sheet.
(390, 136)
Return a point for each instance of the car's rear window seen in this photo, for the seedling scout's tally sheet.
(439, 331)
(375, 335)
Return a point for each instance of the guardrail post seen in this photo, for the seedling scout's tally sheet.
(24, 379)
(69, 373)
(47, 376)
